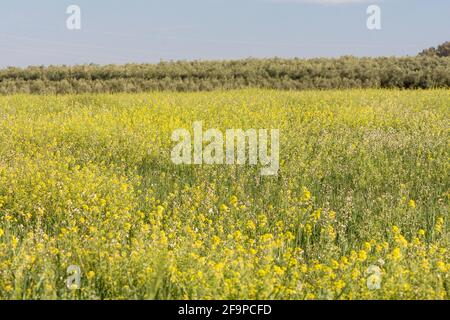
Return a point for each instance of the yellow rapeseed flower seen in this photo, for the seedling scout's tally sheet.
(396, 254)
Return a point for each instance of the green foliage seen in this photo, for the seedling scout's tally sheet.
(442, 50)
(424, 71)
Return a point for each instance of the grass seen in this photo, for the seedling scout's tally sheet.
(363, 185)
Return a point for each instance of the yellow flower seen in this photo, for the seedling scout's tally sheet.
(1, 232)
(262, 220)
(251, 225)
(90, 274)
(412, 204)
(439, 224)
(338, 285)
(310, 296)
(425, 265)
(316, 214)
(279, 271)
(441, 266)
(355, 274)
(332, 215)
(215, 240)
(401, 241)
(160, 210)
(334, 264)
(262, 272)
(396, 254)
(367, 246)
(395, 230)
(14, 242)
(306, 195)
(362, 255)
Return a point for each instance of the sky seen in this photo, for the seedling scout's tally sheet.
(147, 31)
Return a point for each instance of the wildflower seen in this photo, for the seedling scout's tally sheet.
(308, 229)
(353, 255)
(310, 296)
(215, 240)
(355, 274)
(262, 220)
(250, 225)
(395, 230)
(316, 214)
(262, 272)
(306, 195)
(234, 200)
(266, 237)
(362, 255)
(279, 271)
(334, 264)
(338, 285)
(218, 267)
(90, 275)
(332, 215)
(14, 242)
(289, 236)
(396, 254)
(425, 265)
(160, 210)
(441, 266)
(438, 225)
(401, 241)
(412, 204)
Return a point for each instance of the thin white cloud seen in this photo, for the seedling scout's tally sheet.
(326, 1)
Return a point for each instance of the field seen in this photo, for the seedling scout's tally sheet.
(358, 210)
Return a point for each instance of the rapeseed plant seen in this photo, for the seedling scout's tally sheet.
(358, 210)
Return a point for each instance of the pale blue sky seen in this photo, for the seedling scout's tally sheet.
(113, 31)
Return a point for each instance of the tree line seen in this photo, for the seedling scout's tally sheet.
(442, 50)
(426, 70)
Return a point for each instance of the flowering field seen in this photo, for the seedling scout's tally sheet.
(359, 208)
